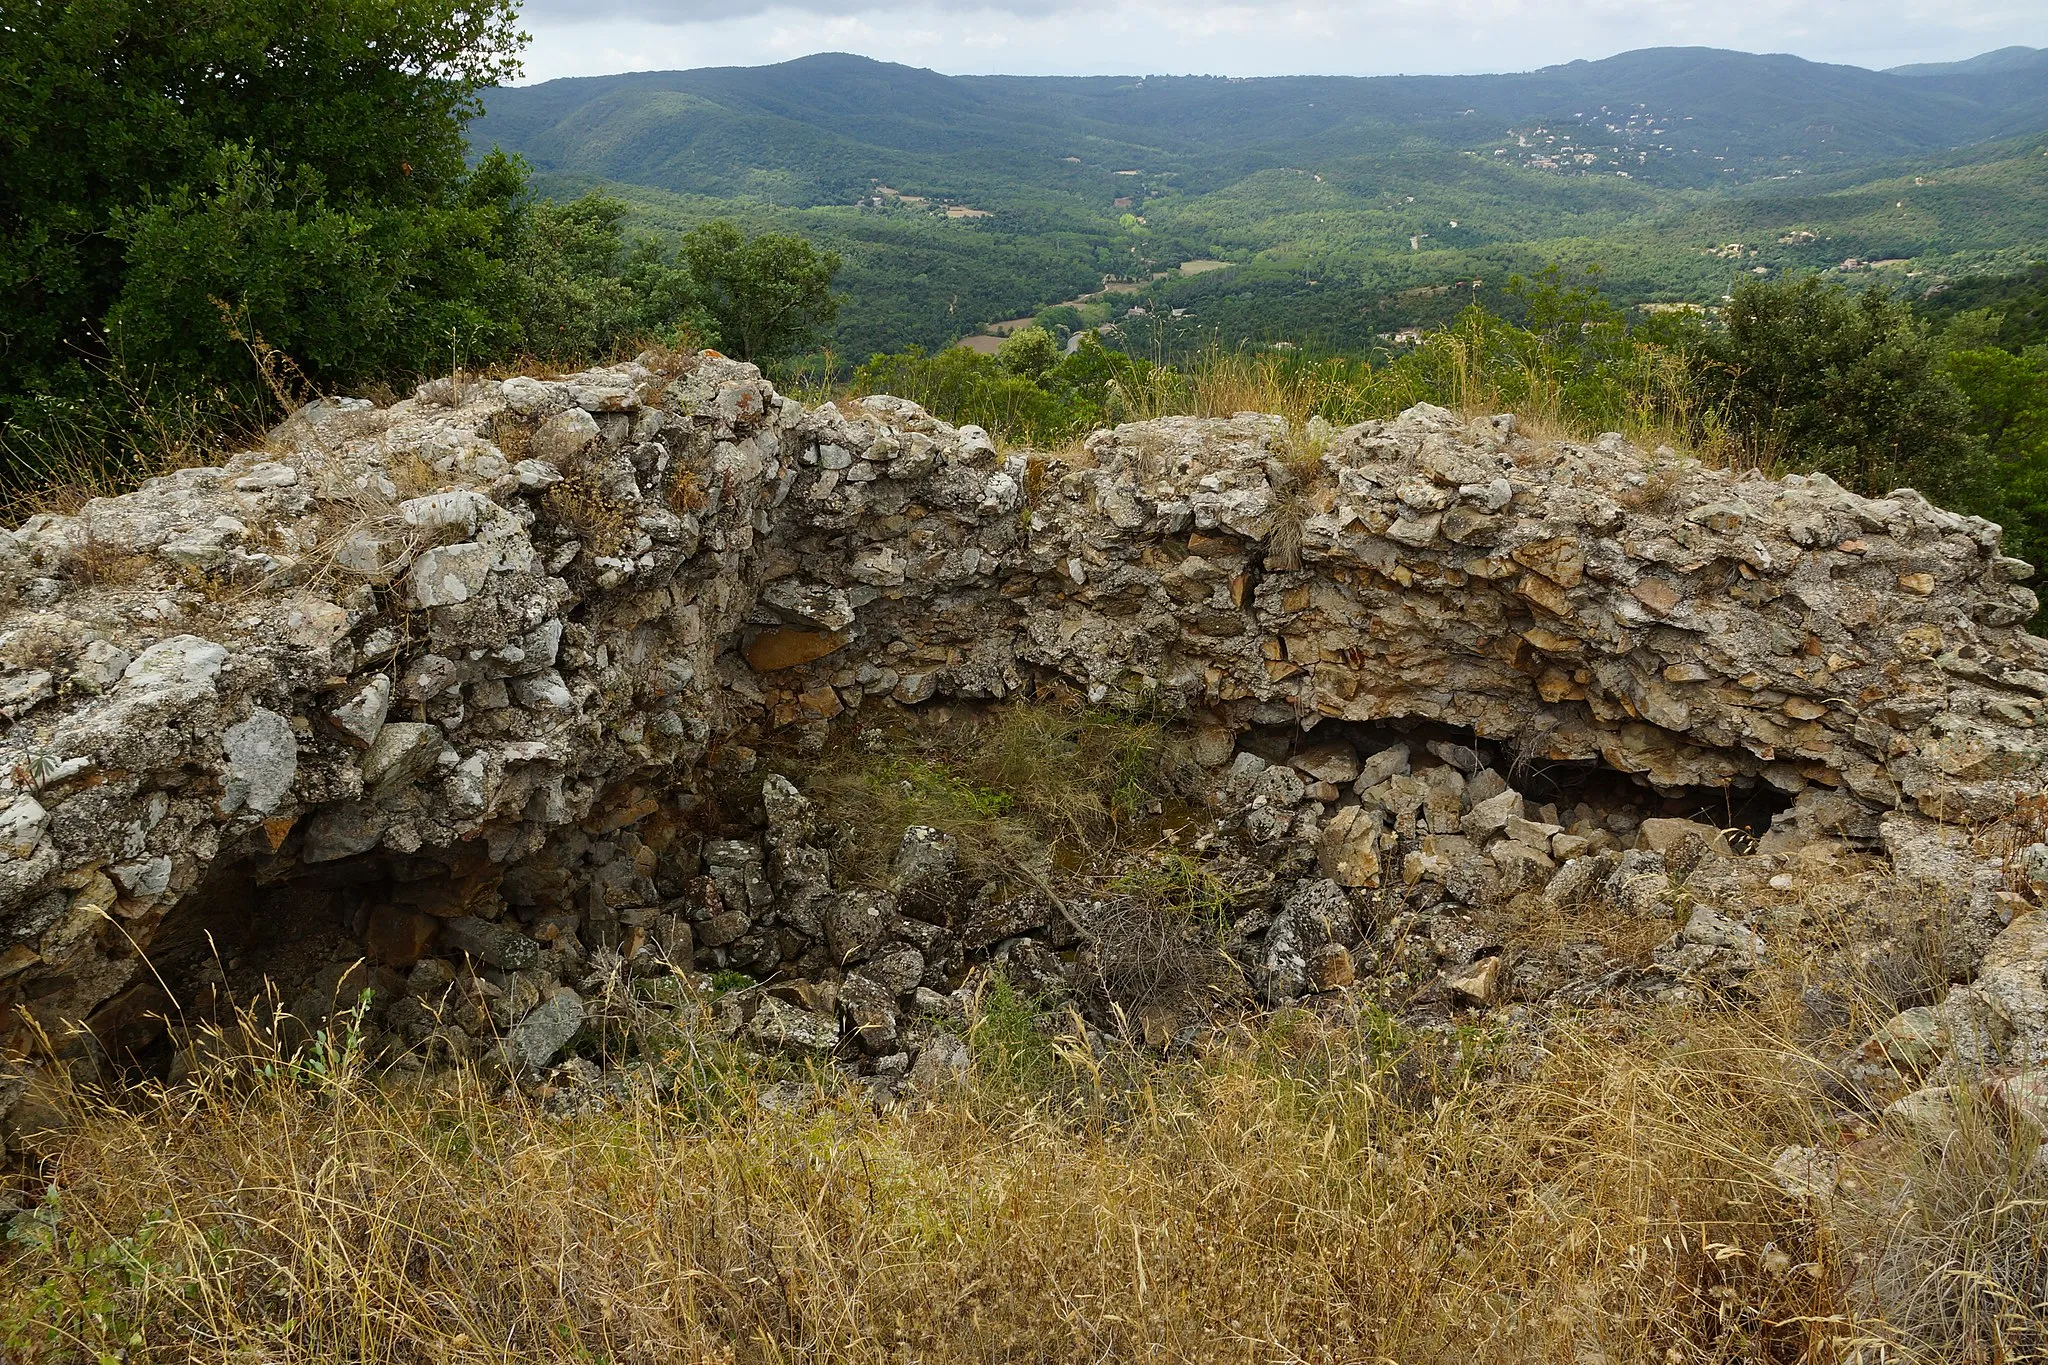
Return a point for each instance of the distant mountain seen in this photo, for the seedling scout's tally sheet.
(959, 200)
(822, 129)
(2004, 59)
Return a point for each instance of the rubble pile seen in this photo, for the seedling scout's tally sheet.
(446, 700)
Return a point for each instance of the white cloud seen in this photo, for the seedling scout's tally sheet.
(1253, 37)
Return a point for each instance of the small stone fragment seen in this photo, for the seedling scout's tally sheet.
(362, 715)
(405, 751)
(781, 1026)
(1475, 984)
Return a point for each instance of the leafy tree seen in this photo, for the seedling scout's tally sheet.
(1060, 401)
(2009, 311)
(300, 161)
(1849, 384)
(1061, 319)
(965, 386)
(1095, 373)
(769, 294)
(2008, 397)
(1030, 353)
(263, 251)
(1563, 311)
(581, 290)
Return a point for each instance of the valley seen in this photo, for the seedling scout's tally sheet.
(960, 202)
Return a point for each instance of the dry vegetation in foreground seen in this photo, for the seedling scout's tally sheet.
(1310, 1190)
(1652, 399)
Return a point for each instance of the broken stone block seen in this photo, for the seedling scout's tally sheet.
(563, 438)
(780, 1026)
(1315, 913)
(870, 1010)
(1912, 1039)
(1460, 756)
(536, 1040)
(1520, 868)
(1331, 762)
(490, 943)
(1033, 968)
(925, 874)
(1565, 847)
(1330, 967)
(341, 831)
(1667, 836)
(1349, 852)
(994, 921)
(1483, 786)
(362, 715)
(899, 968)
(405, 752)
(1927, 1115)
(1476, 984)
(1388, 762)
(1577, 882)
(449, 574)
(1807, 1173)
(1533, 833)
(1641, 883)
(1491, 816)
(856, 923)
(941, 1062)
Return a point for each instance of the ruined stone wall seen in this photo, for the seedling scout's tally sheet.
(409, 676)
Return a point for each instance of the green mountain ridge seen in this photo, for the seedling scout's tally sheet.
(960, 200)
(2003, 59)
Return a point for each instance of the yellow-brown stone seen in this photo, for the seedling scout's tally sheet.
(398, 936)
(1559, 559)
(1545, 594)
(788, 647)
(821, 701)
(1657, 594)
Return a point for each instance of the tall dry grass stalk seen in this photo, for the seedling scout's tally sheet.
(1311, 1190)
(78, 456)
(1223, 383)
(1478, 367)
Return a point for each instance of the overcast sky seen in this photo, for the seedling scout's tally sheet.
(1253, 37)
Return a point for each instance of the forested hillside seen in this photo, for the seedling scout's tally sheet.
(1349, 207)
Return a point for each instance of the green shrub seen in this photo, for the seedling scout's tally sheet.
(273, 153)
(1850, 384)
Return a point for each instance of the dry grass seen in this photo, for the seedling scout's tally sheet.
(1660, 486)
(1223, 383)
(1652, 400)
(1157, 927)
(1300, 490)
(97, 560)
(1309, 1191)
(585, 503)
(1952, 1244)
(1536, 927)
(69, 467)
